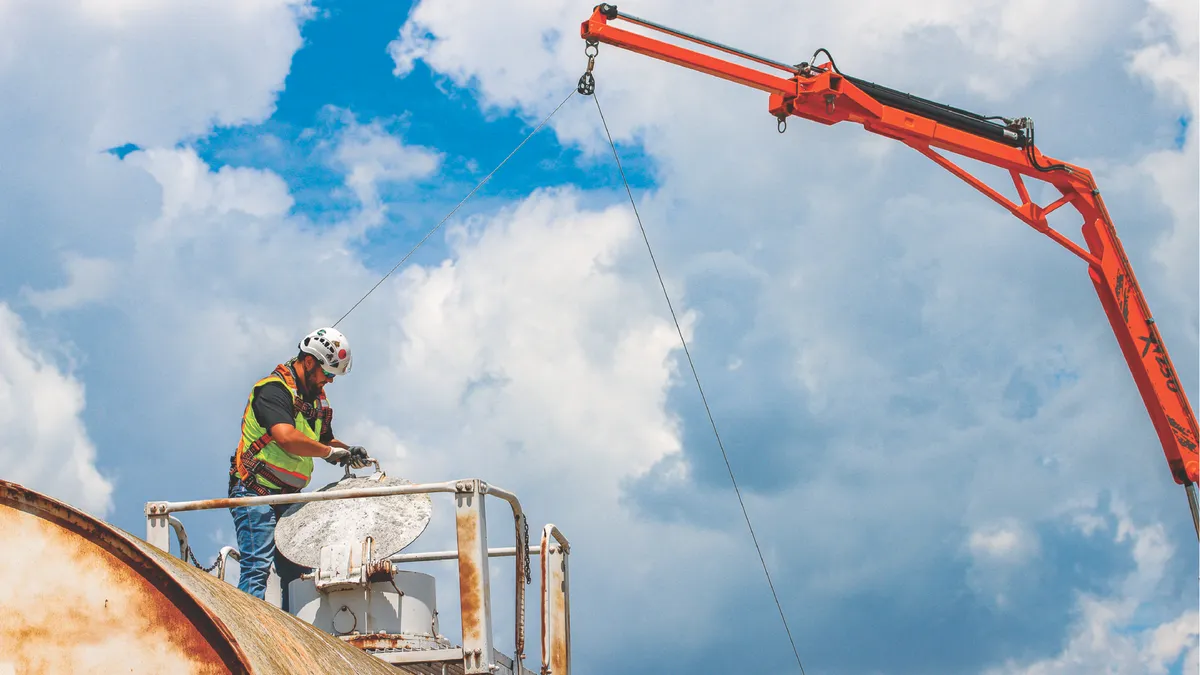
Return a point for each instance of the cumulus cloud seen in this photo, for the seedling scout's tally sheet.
(532, 330)
(1171, 34)
(998, 45)
(88, 225)
(46, 445)
(1170, 60)
(924, 390)
(529, 356)
(206, 262)
(1110, 633)
(88, 280)
(148, 73)
(1001, 554)
(372, 156)
(919, 374)
(104, 75)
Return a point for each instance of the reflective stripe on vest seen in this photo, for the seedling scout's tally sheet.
(258, 455)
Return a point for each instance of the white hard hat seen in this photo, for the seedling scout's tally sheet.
(330, 348)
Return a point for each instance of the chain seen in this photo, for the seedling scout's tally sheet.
(522, 561)
(587, 83)
(195, 562)
(528, 573)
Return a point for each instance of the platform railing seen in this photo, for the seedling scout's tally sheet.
(472, 554)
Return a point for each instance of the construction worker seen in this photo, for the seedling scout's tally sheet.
(286, 423)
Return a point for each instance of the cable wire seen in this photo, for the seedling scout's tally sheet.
(455, 209)
(696, 376)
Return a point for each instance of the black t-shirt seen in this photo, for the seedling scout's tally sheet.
(273, 405)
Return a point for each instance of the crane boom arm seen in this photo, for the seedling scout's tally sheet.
(823, 94)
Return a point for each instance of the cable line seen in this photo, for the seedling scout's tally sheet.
(695, 375)
(455, 209)
(586, 87)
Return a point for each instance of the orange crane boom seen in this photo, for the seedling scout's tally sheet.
(823, 94)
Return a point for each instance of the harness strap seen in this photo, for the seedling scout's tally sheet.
(251, 484)
(254, 468)
(246, 456)
(300, 407)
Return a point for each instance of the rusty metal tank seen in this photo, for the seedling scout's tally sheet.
(78, 595)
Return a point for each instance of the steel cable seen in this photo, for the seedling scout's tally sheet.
(696, 376)
(455, 209)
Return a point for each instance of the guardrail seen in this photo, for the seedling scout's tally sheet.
(472, 553)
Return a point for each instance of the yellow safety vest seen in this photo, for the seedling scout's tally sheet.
(258, 455)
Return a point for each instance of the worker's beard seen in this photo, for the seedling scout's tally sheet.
(310, 383)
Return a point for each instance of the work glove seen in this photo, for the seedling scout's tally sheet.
(358, 457)
(339, 456)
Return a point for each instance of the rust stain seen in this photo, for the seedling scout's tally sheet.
(554, 599)
(378, 641)
(274, 641)
(469, 574)
(70, 606)
(124, 548)
(90, 592)
(542, 558)
(558, 640)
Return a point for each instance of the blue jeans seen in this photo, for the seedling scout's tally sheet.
(255, 527)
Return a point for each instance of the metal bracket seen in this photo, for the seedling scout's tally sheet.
(158, 527)
(336, 571)
(473, 583)
(556, 603)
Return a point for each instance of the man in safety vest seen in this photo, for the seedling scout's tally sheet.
(286, 423)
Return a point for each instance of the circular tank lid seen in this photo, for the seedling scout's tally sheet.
(394, 521)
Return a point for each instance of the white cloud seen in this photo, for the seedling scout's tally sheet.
(997, 46)
(216, 261)
(1002, 553)
(530, 332)
(1171, 30)
(909, 336)
(102, 75)
(192, 193)
(1112, 634)
(371, 156)
(80, 80)
(944, 371)
(1170, 61)
(147, 72)
(1006, 542)
(46, 445)
(88, 280)
(528, 357)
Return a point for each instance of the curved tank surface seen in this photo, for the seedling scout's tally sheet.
(78, 595)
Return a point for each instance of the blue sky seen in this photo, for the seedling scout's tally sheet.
(342, 65)
(940, 446)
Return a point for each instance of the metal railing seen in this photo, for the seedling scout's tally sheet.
(472, 554)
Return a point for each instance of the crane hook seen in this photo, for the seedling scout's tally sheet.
(587, 82)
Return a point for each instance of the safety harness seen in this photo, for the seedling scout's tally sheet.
(245, 466)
